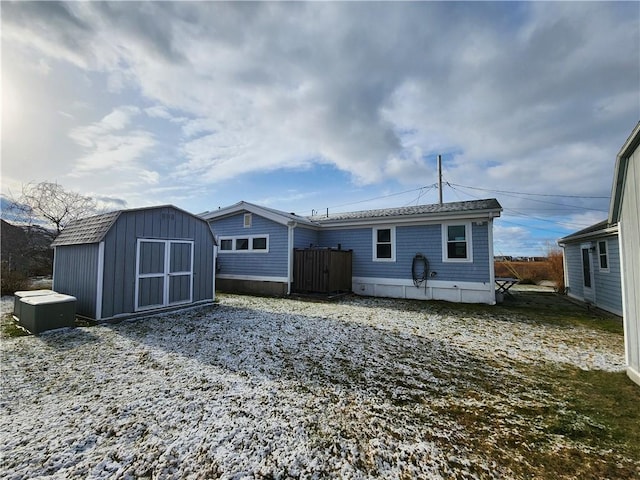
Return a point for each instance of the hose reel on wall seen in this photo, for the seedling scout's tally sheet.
(420, 270)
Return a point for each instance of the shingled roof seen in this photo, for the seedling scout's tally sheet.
(598, 229)
(418, 210)
(87, 230)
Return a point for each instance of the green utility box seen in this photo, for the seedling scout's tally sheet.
(46, 312)
(17, 305)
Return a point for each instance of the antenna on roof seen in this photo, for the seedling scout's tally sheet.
(440, 179)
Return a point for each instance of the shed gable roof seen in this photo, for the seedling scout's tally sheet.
(94, 229)
(86, 230)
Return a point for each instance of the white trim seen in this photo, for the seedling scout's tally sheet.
(633, 374)
(468, 235)
(290, 238)
(492, 266)
(404, 282)
(374, 248)
(165, 275)
(213, 272)
(276, 216)
(468, 292)
(625, 307)
(250, 248)
(405, 220)
(257, 278)
(100, 281)
(53, 273)
(606, 254)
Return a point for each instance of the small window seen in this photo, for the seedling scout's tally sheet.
(456, 241)
(259, 243)
(242, 244)
(603, 255)
(384, 248)
(247, 220)
(226, 244)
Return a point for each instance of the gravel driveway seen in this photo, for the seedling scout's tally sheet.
(280, 388)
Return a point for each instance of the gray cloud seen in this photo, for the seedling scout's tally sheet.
(535, 96)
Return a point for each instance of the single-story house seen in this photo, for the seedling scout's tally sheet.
(129, 262)
(592, 266)
(452, 241)
(624, 210)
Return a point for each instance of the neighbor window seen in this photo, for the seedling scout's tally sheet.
(603, 255)
(456, 242)
(258, 244)
(247, 220)
(384, 249)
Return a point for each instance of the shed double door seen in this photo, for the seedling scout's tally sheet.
(164, 273)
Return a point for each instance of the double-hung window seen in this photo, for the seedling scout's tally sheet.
(384, 244)
(456, 242)
(603, 256)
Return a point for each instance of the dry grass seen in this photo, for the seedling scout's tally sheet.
(535, 272)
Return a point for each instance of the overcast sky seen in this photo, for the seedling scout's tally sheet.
(301, 106)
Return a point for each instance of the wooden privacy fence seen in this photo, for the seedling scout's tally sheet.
(321, 270)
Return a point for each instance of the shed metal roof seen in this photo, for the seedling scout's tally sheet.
(87, 230)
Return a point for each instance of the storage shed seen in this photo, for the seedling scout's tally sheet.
(129, 262)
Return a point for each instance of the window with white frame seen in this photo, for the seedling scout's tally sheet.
(456, 242)
(247, 220)
(603, 256)
(384, 244)
(243, 244)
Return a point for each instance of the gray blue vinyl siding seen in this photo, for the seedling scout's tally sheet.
(76, 274)
(410, 240)
(573, 264)
(607, 285)
(120, 254)
(76, 266)
(305, 237)
(255, 264)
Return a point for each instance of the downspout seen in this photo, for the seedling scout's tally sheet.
(492, 270)
(291, 226)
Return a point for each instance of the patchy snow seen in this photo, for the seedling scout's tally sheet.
(274, 388)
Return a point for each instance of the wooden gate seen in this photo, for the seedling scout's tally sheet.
(321, 270)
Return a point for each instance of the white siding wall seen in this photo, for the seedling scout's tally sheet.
(630, 258)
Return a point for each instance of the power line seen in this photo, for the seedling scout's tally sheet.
(544, 201)
(382, 196)
(524, 193)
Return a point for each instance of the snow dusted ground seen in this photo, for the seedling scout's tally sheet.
(277, 388)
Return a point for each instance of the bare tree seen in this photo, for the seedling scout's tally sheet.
(51, 202)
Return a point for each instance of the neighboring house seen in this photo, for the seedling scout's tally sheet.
(625, 211)
(132, 261)
(257, 245)
(592, 266)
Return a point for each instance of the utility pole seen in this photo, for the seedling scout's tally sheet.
(440, 178)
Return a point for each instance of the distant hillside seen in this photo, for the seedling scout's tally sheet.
(26, 249)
